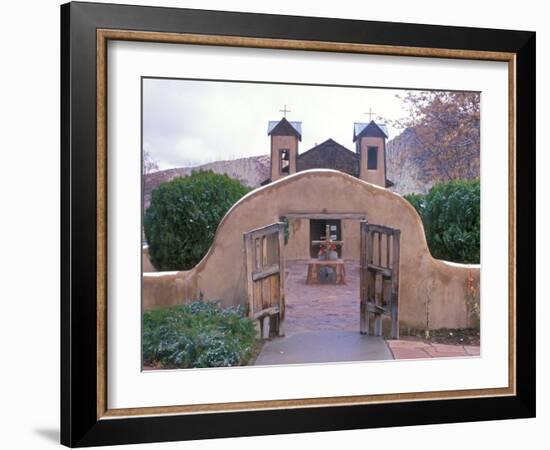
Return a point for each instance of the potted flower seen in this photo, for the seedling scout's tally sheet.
(328, 251)
(332, 254)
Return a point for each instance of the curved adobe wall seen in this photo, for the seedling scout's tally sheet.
(220, 275)
(146, 264)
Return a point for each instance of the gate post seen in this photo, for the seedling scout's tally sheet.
(363, 312)
(395, 286)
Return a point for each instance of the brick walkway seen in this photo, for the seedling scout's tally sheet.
(321, 306)
(402, 349)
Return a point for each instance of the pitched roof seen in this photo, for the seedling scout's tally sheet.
(284, 128)
(365, 129)
(329, 155)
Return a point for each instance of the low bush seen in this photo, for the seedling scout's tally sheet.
(450, 214)
(197, 334)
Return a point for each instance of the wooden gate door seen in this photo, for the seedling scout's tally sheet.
(265, 278)
(379, 278)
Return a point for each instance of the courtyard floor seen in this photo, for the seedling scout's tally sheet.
(322, 325)
(321, 306)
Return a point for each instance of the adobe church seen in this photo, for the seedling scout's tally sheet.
(367, 162)
(246, 262)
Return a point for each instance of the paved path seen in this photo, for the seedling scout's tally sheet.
(402, 349)
(323, 346)
(319, 307)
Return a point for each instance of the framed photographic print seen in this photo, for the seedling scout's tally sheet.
(277, 224)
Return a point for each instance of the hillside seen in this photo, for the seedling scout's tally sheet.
(401, 168)
(403, 159)
(250, 171)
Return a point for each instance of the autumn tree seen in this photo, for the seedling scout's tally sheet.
(444, 132)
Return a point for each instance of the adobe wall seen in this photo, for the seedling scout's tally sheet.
(146, 264)
(298, 240)
(220, 275)
(351, 238)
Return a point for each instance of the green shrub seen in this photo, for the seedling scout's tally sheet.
(197, 334)
(183, 216)
(416, 200)
(450, 214)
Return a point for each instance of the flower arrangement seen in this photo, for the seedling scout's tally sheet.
(327, 247)
(326, 251)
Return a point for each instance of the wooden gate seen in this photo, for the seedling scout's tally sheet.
(379, 290)
(265, 276)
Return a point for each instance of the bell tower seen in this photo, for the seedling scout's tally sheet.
(370, 145)
(285, 136)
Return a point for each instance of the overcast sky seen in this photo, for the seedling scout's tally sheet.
(187, 122)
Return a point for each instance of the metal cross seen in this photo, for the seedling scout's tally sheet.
(284, 110)
(370, 113)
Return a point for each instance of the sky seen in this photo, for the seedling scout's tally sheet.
(192, 122)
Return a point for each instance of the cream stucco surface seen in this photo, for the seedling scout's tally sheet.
(377, 176)
(220, 275)
(279, 143)
(146, 266)
(298, 246)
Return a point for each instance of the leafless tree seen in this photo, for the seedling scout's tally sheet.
(149, 163)
(445, 133)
